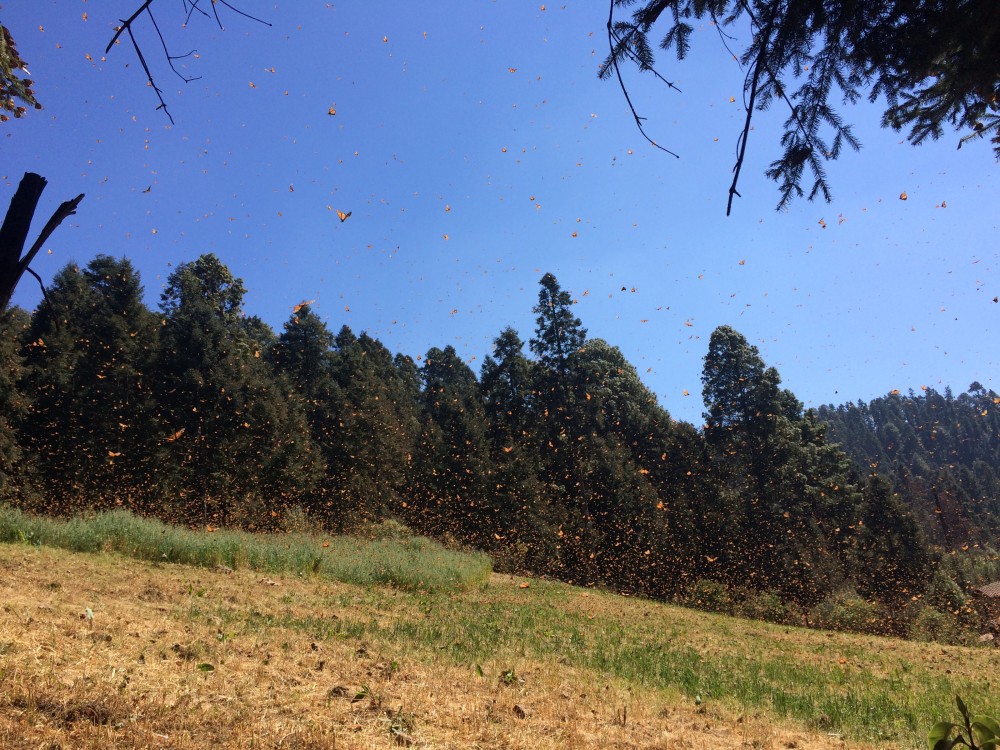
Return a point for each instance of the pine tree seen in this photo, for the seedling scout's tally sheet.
(558, 333)
(233, 443)
(90, 349)
(894, 562)
(559, 336)
(303, 355)
(371, 445)
(794, 490)
(453, 470)
(937, 450)
(751, 440)
(508, 388)
(14, 405)
(526, 522)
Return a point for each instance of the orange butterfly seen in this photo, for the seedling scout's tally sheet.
(176, 435)
(342, 216)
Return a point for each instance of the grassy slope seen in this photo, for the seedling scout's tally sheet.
(290, 653)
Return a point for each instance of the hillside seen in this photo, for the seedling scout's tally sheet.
(102, 651)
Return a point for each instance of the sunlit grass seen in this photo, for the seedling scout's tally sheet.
(411, 563)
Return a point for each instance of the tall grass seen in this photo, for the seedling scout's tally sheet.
(411, 563)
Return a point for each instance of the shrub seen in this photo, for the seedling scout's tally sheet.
(297, 521)
(390, 530)
(847, 612)
(709, 595)
(768, 606)
(931, 624)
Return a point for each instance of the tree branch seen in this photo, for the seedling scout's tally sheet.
(744, 135)
(126, 25)
(14, 233)
(65, 210)
(614, 62)
(149, 76)
(189, 7)
(45, 296)
(759, 67)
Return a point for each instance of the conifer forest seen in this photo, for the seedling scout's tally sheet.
(554, 457)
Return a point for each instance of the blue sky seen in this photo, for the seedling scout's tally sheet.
(476, 150)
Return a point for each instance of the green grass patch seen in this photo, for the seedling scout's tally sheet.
(859, 687)
(411, 563)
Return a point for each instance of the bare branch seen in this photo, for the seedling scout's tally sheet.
(612, 37)
(245, 15)
(14, 232)
(149, 76)
(65, 210)
(191, 11)
(166, 52)
(744, 135)
(190, 7)
(45, 296)
(126, 25)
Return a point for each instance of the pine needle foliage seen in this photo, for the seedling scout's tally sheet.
(934, 62)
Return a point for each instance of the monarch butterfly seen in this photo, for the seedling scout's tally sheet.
(175, 436)
(342, 216)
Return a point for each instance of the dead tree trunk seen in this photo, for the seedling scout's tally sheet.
(14, 233)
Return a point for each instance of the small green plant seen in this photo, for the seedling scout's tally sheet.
(24, 537)
(977, 732)
(508, 677)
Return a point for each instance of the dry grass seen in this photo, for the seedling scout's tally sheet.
(130, 678)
